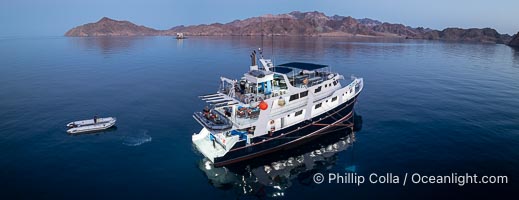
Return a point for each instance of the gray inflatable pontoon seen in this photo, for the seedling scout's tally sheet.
(89, 125)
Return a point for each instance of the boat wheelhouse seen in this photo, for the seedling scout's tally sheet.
(271, 108)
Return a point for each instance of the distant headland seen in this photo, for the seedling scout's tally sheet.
(514, 42)
(297, 24)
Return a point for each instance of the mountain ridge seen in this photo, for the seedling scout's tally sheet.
(294, 24)
(110, 27)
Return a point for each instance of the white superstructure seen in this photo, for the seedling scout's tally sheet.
(267, 100)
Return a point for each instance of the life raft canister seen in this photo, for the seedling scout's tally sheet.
(263, 105)
(281, 102)
(271, 121)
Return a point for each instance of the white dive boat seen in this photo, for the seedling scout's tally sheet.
(89, 125)
(181, 36)
(273, 108)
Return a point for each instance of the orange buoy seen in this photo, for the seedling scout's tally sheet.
(263, 105)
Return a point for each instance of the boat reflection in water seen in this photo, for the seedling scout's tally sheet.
(270, 177)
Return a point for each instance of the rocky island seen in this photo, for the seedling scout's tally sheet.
(110, 27)
(514, 42)
(295, 24)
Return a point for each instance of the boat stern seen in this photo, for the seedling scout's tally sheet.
(213, 145)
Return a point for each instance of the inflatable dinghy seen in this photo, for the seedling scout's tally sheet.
(89, 125)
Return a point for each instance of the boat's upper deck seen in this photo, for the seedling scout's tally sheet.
(239, 99)
(266, 82)
(305, 78)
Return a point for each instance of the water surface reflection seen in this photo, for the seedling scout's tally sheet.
(515, 55)
(272, 175)
(107, 45)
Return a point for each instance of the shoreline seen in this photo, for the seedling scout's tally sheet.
(294, 36)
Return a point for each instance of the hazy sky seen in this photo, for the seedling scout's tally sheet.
(55, 17)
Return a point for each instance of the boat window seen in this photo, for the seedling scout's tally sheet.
(299, 113)
(335, 83)
(334, 99)
(303, 94)
(318, 105)
(318, 89)
(279, 81)
(294, 97)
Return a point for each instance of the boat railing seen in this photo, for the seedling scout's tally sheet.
(310, 79)
(245, 115)
(358, 84)
(229, 141)
(226, 142)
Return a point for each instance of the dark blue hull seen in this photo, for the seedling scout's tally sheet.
(293, 136)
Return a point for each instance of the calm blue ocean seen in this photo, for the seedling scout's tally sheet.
(428, 107)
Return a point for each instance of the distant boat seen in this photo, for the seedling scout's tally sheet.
(180, 36)
(90, 125)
